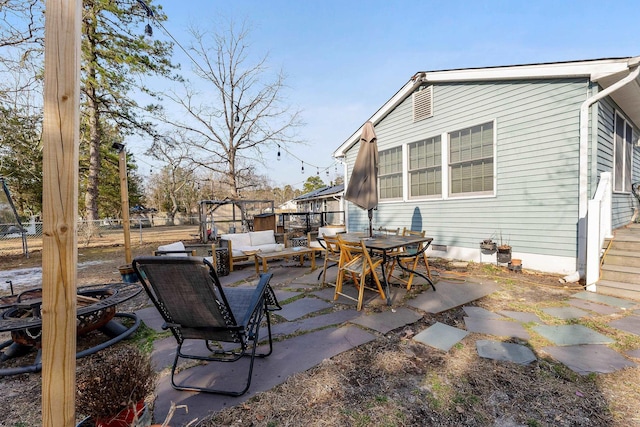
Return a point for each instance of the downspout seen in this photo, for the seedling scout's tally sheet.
(583, 198)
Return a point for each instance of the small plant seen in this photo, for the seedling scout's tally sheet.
(113, 380)
(504, 244)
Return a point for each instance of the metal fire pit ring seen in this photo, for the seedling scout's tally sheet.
(22, 318)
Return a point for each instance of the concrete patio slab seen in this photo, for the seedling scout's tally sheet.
(287, 273)
(584, 359)
(628, 324)
(440, 336)
(521, 316)
(282, 295)
(593, 306)
(164, 351)
(633, 353)
(370, 298)
(449, 295)
(500, 328)
(309, 278)
(301, 307)
(151, 317)
(482, 313)
(605, 299)
(237, 276)
(388, 320)
(290, 356)
(566, 335)
(565, 312)
(311, 323)
(504, 351)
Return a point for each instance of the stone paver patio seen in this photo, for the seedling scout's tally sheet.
(312, 327)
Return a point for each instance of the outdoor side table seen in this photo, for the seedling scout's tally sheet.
(221, 260)
(298, 241)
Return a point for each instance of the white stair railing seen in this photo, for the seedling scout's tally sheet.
(598, 228)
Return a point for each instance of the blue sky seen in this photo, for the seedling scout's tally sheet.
(344, 59)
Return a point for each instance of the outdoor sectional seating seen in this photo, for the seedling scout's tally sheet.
(240, 244)
(327, 230)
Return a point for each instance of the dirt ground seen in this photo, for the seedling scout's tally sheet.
(392, 381)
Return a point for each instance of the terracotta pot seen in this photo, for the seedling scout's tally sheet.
(126, 417)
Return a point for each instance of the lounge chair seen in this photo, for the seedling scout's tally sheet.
(195, 306)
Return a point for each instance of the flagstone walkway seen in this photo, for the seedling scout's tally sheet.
(311, 328)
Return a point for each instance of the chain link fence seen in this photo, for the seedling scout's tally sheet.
(104, 232)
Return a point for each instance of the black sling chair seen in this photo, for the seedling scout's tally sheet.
(195, 306)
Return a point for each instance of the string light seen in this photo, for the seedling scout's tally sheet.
(318, 172)
(149, 30)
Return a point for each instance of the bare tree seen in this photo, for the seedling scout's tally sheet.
(177, 176)
(21, 50)
(236, 111)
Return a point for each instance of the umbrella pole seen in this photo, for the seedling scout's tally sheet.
(370, 212)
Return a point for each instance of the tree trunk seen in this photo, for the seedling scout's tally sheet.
(91, 196)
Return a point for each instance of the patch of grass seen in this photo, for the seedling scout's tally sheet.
(145, 336)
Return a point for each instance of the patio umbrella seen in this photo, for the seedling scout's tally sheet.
(363, 184)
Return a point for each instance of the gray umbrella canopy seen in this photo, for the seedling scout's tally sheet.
(362, 189)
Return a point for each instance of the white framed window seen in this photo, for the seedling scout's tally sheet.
(425, 167)
(471, 162)
(390, 174)
(622, 155)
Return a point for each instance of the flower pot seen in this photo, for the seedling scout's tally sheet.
(504, 254)
(128, 274)
(138, 416)
(488, 247)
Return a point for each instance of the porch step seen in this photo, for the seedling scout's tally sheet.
(618, 289)
(622, 257)
(625, 241)
(620, 272)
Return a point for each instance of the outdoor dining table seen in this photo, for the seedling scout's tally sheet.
(387, 246)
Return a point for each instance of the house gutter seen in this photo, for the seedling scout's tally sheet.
(583, 199)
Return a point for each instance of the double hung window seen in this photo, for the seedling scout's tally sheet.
(425, 168)
(623, 155)
(390, 173)
(471, 160)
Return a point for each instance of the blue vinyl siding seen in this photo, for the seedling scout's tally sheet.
(623, 203)
(535, 206)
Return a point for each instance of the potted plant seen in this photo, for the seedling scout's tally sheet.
(504, 251)
(488, 246)
(111, 387)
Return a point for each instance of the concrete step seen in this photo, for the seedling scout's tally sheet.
(620, 273)
(625, 242)
(618, 289)
(622, 257)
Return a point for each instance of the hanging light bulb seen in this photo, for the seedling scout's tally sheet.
(303, 167)
(327, 173)
(148, 31)
(278, 152)
(318, 172)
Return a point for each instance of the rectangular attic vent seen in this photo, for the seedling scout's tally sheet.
(423, 103)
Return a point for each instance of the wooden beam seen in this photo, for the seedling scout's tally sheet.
(124, 201)
(61, 131)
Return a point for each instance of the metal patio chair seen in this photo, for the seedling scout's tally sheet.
(410, 262)
(195, 306)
